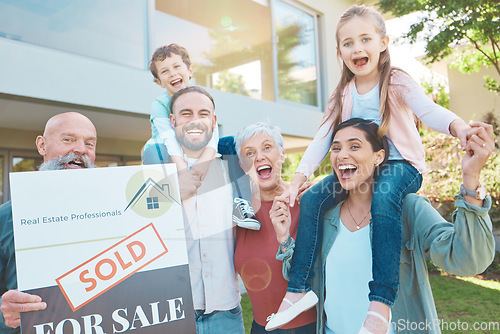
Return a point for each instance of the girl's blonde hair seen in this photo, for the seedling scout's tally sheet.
(384, 66)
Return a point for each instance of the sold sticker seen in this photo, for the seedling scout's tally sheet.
(105, 270)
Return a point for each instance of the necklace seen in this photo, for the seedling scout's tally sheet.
(355, 222)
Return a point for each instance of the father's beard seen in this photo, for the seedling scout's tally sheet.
(196, 145)
(81, 160)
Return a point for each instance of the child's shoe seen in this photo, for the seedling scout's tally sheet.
(309, 300)
(384, 325)
(244, 216)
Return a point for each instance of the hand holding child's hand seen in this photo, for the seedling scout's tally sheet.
(459, 129)
(189, 182)
(296, 188)
(281, 218)
(291, 194)
(480, 145)
(201, 168)
(304, 188)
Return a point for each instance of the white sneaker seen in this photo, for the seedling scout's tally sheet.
(244, 216)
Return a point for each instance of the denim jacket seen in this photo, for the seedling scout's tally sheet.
(465, 247)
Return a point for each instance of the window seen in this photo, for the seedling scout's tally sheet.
(296, 54)
(231, 45)
(21, 162)
(25, 163)
(108, 30)
(153, 203)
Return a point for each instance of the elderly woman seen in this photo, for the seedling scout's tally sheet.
(260, 149)
(343, 268)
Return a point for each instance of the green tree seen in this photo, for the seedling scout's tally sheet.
(437, 89)
(471, 27)
(289, 37)
(232, 83)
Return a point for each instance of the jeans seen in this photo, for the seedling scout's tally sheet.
(306, 329)
(220, 322)
(313, 205)
(158, 154)
(155, 154)
(239, 179)
(395, 180)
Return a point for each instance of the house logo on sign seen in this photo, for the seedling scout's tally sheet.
(150, 194)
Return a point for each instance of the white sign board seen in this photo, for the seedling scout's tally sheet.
(105, 248)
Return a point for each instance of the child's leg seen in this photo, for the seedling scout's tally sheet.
(243, 212)
(394, 182)
(313, 206)
(240, 181)
(155, 154)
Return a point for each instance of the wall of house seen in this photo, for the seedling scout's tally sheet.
(468, 97)
(38, 82)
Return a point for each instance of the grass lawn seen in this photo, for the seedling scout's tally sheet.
(468, 300)
(465, 299)
(247, 312)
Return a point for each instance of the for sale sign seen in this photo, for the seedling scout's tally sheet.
(104, 248)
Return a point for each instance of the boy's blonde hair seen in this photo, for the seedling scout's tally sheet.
(384, 66)
(166, 51)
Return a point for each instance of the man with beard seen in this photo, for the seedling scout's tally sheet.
(207, 206)
(68, 142)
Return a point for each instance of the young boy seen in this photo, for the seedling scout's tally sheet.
(172, 69)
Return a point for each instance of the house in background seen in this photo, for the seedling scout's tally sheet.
(262, 60)
(468, 97)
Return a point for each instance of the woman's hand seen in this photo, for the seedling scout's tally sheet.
(480, 145)
(280, 217)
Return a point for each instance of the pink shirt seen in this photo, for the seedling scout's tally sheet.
(402, 130)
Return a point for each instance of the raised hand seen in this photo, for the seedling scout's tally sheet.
(281, 218)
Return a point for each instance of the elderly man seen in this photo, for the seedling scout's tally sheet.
(207, 208)
(68, 142)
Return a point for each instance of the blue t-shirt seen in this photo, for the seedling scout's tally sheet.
(367, 106)
(159, 109)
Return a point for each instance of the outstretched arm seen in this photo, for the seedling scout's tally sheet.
(312, 158)
(467, 246)
(480, 145)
